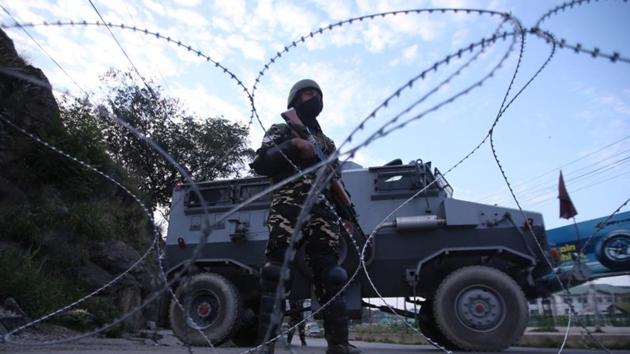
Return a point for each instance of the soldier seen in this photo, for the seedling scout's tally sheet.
(295, 317)
(281, 155)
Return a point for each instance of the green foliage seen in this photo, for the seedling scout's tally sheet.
(108, 220)
(87, 220)
(41, 288)
(103, 308)
(27, 278)
(206, 148)
(91, 314)
(39, 166)
(397, 333)
(67, 206)
(20, 225)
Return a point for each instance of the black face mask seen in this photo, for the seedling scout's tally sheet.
(308, 111)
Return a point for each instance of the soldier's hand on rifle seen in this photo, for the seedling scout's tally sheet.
(306, 150)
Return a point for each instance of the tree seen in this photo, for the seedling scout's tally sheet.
(207, 148)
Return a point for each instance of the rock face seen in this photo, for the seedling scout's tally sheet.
(27, 101)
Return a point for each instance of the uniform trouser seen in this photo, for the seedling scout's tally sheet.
(321, 234)
(296, 317)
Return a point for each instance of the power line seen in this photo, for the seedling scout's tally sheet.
(599, 170)
(554, 170)
(571, 177)
(133, 66)
(552, 187)
(44, 50)
(583, 187)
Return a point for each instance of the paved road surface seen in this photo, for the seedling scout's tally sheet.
(315, 346)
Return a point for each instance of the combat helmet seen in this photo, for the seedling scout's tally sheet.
(299, 86)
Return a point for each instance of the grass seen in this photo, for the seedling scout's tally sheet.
(37, 288)
(397, 334)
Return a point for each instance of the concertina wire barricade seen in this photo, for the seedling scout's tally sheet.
(321, 177)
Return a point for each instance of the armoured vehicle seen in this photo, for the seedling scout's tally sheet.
(475, 265)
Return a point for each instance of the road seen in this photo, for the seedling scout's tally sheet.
(315, 346)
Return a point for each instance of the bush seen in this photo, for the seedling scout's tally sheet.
(108, 220)
(39, 289)
(20, 225)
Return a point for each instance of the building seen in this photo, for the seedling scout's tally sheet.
(587, 299)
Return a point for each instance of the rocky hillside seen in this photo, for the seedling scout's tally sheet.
(64, 230)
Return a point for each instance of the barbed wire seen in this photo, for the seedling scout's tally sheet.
(44, 50)
(225, 70)
(296, 237)
(560, 8)
(577, 47)
(382, 132)
(530, 227)
(321, 30)
(86, 165)
(182, 171)
(302, 218)
(525, 185)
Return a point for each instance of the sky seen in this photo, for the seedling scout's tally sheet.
(574, 116)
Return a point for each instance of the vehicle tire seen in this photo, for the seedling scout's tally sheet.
(429, 327)
(480, 308)
(613, 251)
(212, 306)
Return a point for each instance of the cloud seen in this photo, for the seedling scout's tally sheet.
(407, 55)
(615, 103)
(367, 159)
(376, 37)
(335, 9)
(250, 49)
(156, 7)
(188, 3)
(293, 20)
(198, 100)
(188, 17)
(234, 11)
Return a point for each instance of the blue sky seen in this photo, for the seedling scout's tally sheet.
(574, 116)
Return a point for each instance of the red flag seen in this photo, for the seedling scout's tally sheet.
(567, 210)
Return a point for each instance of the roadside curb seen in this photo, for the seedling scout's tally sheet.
(575, 340)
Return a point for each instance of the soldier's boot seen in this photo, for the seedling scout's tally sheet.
(303, 339)
(336, 328)
(269, 279)
(333, 278)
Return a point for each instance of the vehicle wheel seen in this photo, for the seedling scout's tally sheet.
(212, 307)
(479, 308)
(613, 251)
(430, 329)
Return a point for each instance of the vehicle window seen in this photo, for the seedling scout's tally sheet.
(442, 183)
(249, 191)
(400, 181)
(213, 197)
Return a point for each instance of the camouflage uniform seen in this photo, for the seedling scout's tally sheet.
(322, 229)
(278, 158)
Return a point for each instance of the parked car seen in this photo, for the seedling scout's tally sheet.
(312, 330)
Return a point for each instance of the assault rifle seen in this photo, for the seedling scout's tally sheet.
(340, 196)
